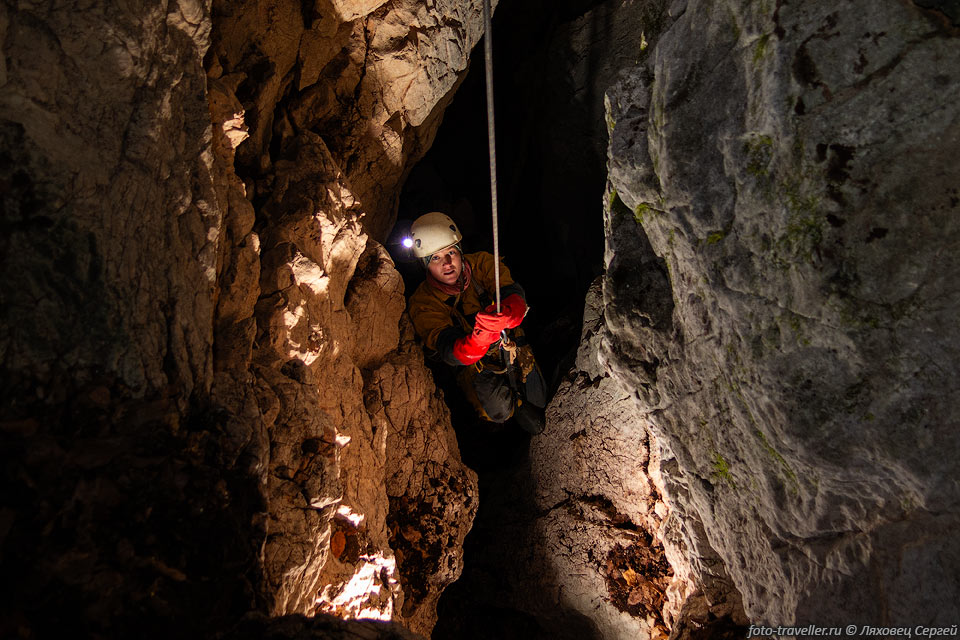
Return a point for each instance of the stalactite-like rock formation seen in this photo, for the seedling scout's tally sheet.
(212, 402)
(371, 76)
(789, 330)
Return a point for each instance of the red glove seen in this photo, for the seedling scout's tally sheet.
(513, 309)
(487, 325)
(490, 320)
(472, 347)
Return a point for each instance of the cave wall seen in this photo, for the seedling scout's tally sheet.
(212, 401)
(109, 261)
(780, 297)
(373, 75)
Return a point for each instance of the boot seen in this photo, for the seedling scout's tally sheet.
(531, 419)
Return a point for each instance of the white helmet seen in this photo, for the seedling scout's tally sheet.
(433, 232)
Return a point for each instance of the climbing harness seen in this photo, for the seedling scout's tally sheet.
(515, 357)
(509, 350)
(491, 141)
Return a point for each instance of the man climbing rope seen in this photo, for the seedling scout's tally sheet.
(453, 315)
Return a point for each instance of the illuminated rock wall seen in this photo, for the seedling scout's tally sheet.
(212, 402)
(780, 296)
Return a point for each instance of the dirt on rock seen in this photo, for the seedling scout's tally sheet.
(637, 578)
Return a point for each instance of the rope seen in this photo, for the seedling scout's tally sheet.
(491, 140)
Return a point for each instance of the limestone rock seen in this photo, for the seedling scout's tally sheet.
(781, 293)
(238, 261)
(316, 90)
(316, 628)
(193, 315)
(106, 173)
(372, 78)
(595, 549)
(116, 471)
(433, 495)
(597, 466)
(331, 309)
(588, 351)
(593, 483)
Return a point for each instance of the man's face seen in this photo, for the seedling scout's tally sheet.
(445, 265)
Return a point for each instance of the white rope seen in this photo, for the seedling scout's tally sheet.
(491, 140)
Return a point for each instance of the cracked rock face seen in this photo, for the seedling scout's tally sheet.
(611, 554)
(781, 294)
(94, 202)
(200, 339)
(597, 469)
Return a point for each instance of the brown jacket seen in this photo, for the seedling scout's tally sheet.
(432, 311)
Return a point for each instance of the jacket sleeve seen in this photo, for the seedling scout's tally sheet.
(430, 317)
(437, 330)
(445, 343)
(511, 289)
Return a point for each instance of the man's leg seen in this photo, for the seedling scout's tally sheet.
(530, 412)
(535, 388)
(494, 398)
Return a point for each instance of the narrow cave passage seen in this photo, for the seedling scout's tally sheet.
(551, 146)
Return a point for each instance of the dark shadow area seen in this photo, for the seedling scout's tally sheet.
(501, 555)
(551, 151)
(113, 527)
